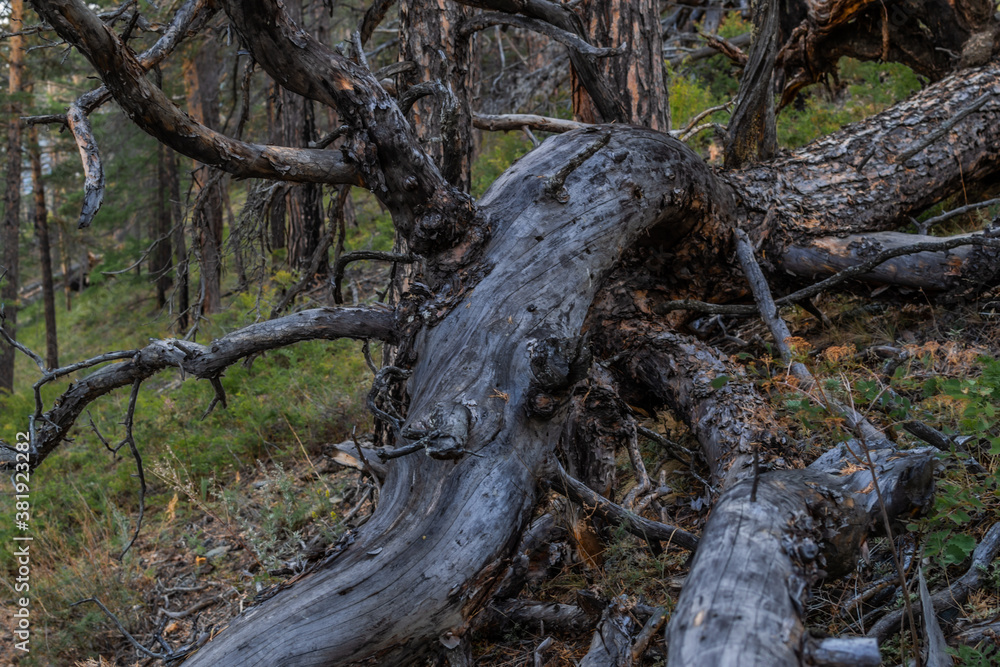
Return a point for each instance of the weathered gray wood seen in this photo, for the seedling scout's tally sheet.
(548, 254)
(743, 602)
(955, 594)
(843, 652)
(611, 645)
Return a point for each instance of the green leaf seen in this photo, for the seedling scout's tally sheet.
(720, 381)
(958, 548)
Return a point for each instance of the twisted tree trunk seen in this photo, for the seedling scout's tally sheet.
(591, 235)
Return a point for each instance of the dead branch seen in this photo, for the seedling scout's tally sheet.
(611, 645)
(615, 515)
(129, 439)
(202, 361)
(93, 170)
(373, 17)
(564, 37)
(729, 47)
(799, 260)
(348, 257)
(952, 596)
(153, 112)
(945, 127)
(649, 630)
(506, 122)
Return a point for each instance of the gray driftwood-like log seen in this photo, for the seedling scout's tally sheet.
(767, 542)
(567, 257)
(484, 498)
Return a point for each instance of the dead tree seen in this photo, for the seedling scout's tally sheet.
(600, 230)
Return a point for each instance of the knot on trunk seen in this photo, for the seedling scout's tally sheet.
(556, 364)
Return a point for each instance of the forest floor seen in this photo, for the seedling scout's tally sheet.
(218, 538)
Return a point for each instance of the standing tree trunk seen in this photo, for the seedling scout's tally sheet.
(201, 78)
(638, 74)
(160, 262)
(752, 133)
(179, 242)
(431, 39)
(44, 250)
(10, 233)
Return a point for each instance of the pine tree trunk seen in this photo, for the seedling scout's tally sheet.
(179, 242)
(44, 251)
(201, 78)
(160, 261)
(638, 74)
(430, 37)
(10, 233)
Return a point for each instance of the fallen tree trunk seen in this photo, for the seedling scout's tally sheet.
(493, 346)
(444, 529)
(767, 541)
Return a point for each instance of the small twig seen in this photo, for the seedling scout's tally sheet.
(647, 633)
(330, 137)
(635, 458)
(941, 131)
(219, 397)
(132, 640)
(614, 514)
(348, 257)
(130, 440)
(359, 51)
(555, 183)
(671, 447)
(887, 525)
(364, 461)
(930, 222)
(395, 68)
(564, 37)
(366, 351)
(381, 386)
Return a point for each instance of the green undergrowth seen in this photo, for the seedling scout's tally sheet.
(281, 410)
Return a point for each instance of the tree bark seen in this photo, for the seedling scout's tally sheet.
(10, 233)
(430, 36)
(752, 133)
(179, 242)
(638, 75)
(44, 251)
(201, 79)
(160, 263)
(512, 421)
(587, 232)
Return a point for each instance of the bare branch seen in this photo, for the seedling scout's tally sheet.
(202, 361)
(857, 271)
(130, 441)
(348, 257)
(651, 531)
(564, 37)
(373, 17)
(954, 595)
(943, 129)
(93, 170)
(154, 113)
(506, 122)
